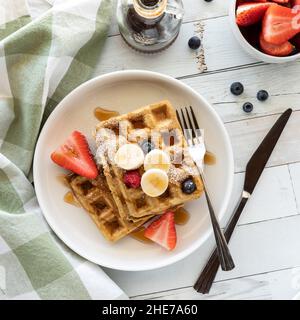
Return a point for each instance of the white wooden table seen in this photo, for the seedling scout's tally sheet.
(266, 243)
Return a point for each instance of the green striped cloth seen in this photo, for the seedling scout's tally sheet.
(47, 48)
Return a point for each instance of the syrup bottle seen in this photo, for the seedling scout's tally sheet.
(149, 26)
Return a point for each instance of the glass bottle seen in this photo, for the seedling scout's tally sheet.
(149, 26)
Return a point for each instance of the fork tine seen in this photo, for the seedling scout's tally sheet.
(186, 129)
(194, 119)
(179, 120)
(190, 123)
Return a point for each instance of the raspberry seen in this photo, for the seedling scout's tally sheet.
(132, 179)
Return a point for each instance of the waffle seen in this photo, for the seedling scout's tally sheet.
(95, 197)
(159, 123)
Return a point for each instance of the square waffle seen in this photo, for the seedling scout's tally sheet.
(159, 123)
(95, 197)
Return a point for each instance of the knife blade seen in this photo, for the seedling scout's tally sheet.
(254, 170)
(261, 156)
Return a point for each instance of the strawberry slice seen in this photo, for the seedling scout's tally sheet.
(280, 24)
(295, 3)
(251, 13)
(281, 1)
(75, 155)
(163, 231)
(281, 50)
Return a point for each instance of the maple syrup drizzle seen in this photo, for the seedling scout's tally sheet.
(103, 114)
(210, 158)
(71, 199)
(139, 235)
(181, 217)
(63, 178)
(69, 196)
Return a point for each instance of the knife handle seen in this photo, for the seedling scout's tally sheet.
(208, 274)
(236, 216)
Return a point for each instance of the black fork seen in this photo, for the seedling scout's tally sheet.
(190, 127)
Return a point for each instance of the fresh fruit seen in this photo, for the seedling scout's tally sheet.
(281, 50)
(163, 231)
(281, 1)
(251, 13)
(132, 179)
(194, 43)
(147, 146)
(248, 107)
(189, 186)
(237, 88)
(74, 155)
(280, 24)
(269, 25)
(157, 159)
(154, 182)
(295, 3)
(129, 157)
(262, 95)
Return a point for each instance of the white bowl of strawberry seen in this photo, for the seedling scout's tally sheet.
(269, 30)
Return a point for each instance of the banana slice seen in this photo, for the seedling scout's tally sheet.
(129, 157)
(157, 159)
(154, 182)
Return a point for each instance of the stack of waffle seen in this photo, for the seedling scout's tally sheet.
(117, 209)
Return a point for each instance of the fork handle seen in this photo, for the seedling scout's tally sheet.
(208, 274)
(224, 255)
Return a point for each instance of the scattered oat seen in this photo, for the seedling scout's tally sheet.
(200, 56)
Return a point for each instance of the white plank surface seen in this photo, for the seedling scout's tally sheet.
(278, 202)
(266, 243)
(273, 285)
(283, 93)
(246, 135)
(221, 52)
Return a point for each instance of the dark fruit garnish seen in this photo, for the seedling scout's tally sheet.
(262, 95)
(248, 107)
(147, 146)
(188, 186)
(237, 88)
(132, 179)
(195, 43)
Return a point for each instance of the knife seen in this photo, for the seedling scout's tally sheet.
(254, 170)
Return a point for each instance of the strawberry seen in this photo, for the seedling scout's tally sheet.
(75, 155)
(295, 3)
(163, 231)
(280, 24)
(281, 1)
(280, 50)
(251, 13)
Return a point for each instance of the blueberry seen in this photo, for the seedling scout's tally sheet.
(188, 186)
(262, 95)
(147, 146)
(248, 107)
(195, 43)
(237, 88)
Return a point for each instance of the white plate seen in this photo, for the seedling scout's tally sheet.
(125, 91)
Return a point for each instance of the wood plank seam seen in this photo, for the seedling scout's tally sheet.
(144, 296)
(293, 187)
